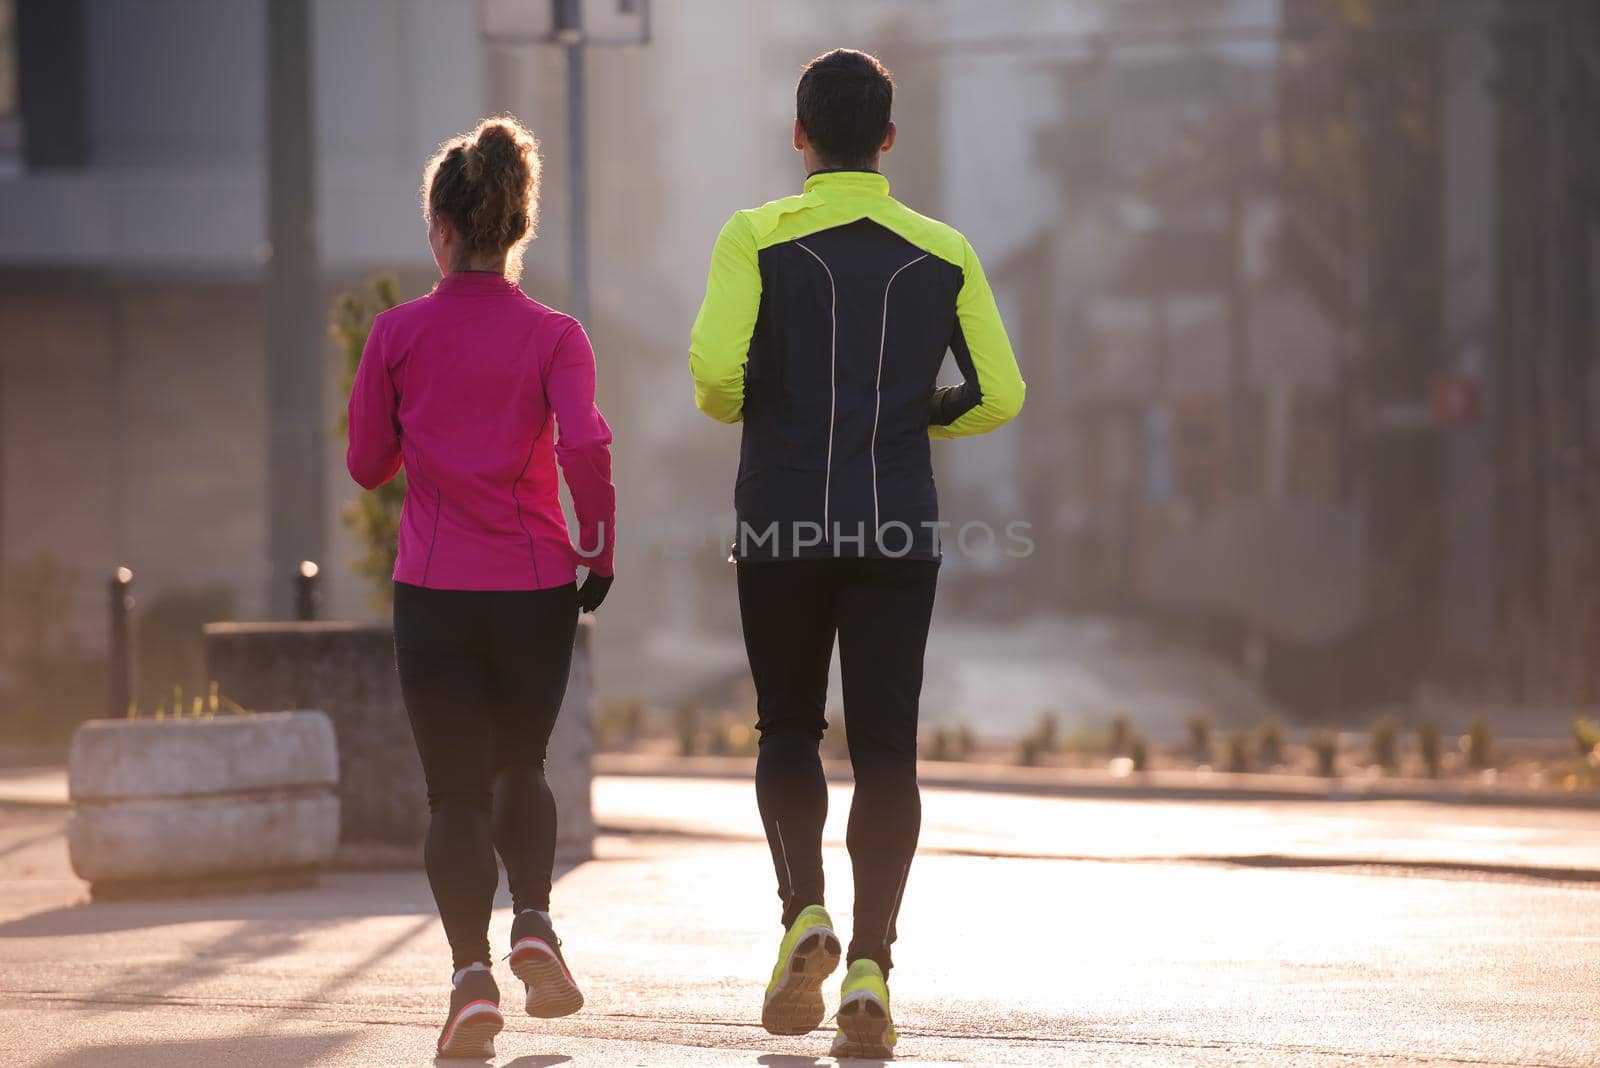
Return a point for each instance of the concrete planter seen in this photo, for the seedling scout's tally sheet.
(163, 806)
(348, 671)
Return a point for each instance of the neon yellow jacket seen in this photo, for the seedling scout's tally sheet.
(826, 319)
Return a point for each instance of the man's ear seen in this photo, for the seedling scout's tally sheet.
(888, 139)
(800, 138)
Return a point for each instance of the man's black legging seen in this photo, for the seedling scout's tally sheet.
(880, 611)
(482, 673)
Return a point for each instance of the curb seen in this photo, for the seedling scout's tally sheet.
(1144, 786)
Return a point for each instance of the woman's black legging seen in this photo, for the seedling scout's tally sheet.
(483, 673)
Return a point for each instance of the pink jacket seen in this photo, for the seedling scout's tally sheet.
(459, 387)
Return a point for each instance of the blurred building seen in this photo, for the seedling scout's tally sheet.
(141, 396)
(1302, 290)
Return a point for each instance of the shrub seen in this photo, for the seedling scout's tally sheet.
(1586, 736)
(1325, 747)
(1119, 736)
(1385, 749)
(728, 738)
(1200, 731)
(1239, 751)
(1139, 752)
(374, 516)
(1269, 743)
(1048, 732)
(1045, 738)
(1428, 748)
(619, 723)
(688, 728)
(951, 743)
(1480, 744)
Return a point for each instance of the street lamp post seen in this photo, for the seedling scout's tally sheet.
(574, 25)
(569, 32)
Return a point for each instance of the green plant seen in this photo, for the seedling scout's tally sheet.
(210, 706)
(1139, 753)
(1044, 738)
(688, 728)
(1239, 751)
(373, 516)
(1385, 749)
(1480, 744)
(1428, 748)
(1201, 729)
(1269, 742)
(950, 743)
(619, 723)
(1119, 735)
(720, 741)
(1586, 736)
(1586, 739)
(1325, 748)
(1048, 732)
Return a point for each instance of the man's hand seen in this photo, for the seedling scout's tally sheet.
(593, 591)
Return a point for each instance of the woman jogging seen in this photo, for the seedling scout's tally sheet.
(479, 393)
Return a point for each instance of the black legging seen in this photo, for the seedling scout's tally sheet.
(483, 673)
(880, 611)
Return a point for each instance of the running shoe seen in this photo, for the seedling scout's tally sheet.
(474, 1017)
(865, 1028)
(536, 959)
(807, 955)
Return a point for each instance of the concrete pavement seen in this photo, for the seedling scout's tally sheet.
(1027, 938)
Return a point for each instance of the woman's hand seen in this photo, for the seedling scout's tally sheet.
(593, 591)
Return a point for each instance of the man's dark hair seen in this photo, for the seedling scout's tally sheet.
(843, 103)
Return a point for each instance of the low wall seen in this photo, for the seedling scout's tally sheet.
(170, 805)
(348, 671)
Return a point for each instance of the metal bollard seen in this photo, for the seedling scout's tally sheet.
(120, 698)
(307, 596)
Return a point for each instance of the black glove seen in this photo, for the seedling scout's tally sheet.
(593, 591)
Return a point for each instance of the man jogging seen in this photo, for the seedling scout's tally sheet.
(826, 320)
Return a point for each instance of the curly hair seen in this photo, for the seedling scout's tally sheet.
(485, 182)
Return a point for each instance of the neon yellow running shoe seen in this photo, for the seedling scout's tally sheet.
(807, 955)
(865, 1028)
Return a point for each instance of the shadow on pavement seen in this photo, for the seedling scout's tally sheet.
(538, 1061)
(235, 1049)
(338, 896)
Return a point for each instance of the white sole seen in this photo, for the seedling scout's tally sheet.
(863, 1028)
(552, 992)
(472, 1034)
(795, 1007)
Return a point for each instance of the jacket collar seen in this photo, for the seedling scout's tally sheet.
(847, 181)
(473, 282)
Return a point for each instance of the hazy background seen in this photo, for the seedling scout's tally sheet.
(1304, 292)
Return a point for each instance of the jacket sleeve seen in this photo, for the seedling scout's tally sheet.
(719, 344)
(583, 449)
(373, 454)
(992, 390)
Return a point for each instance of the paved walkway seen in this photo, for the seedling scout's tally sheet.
(1028, 938)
